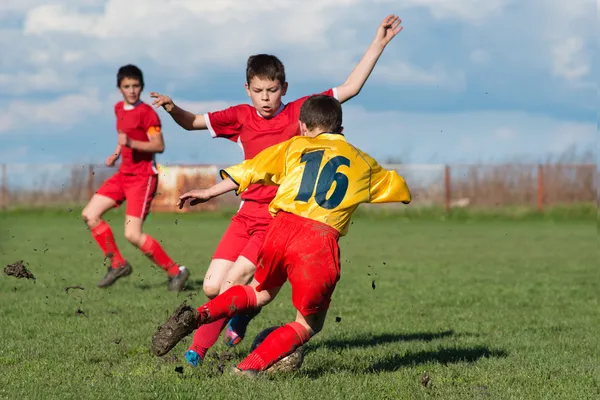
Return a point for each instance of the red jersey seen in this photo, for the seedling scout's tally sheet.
(139, 122)
(254, 133)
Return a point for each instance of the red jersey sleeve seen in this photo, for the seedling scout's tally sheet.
(151, 122)
(225, 123)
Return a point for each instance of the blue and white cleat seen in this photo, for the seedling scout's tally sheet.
(193, 358)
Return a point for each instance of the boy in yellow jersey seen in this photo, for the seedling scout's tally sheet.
(322, 179)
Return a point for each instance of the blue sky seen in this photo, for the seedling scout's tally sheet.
(466, 81)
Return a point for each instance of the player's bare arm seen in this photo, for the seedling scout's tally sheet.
(156, 143)
(203, 195)
(386, 31)
(112, 159)
(187, 120)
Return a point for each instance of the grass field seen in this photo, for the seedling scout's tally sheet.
(459, 309)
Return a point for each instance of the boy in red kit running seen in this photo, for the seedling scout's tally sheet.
(267, 122)
(139, 138)
(322, 179)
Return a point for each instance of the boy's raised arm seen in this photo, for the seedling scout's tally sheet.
(185, 119)
(389, 28)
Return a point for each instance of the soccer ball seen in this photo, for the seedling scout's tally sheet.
(290, 363)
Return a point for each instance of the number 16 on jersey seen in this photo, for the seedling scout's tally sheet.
(323, 180)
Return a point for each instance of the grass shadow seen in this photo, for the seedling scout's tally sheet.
(393, 362)
(444, 356)
(376, 340)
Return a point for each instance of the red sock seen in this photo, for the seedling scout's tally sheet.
(105, 239)
(280, 343)
(236, 299)
(206, 336)
(152, 249)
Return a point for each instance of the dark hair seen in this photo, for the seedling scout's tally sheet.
(265, 66)
(130, 71)
(322, 111)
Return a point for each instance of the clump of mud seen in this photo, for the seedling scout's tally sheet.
(18, 270)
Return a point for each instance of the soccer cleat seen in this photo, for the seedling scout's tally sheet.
(177, 282)
(246, 373)
(184, 321)
(193, 358)
(236, 328)
(115, 273)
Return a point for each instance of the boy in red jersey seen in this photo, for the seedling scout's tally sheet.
(255, 127)
(139, 139)
(322, 180)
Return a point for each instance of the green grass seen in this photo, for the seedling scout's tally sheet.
(487, 308)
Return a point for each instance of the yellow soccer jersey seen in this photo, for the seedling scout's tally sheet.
(323, 178)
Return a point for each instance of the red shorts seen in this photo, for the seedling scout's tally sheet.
(245, 235)
(137, 190)
(307, 253)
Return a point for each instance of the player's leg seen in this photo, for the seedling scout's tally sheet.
(185, 319)
(227, 252)
(313, 269)
(269, 277)
(206, 335)
(242, 273)
(108, 196)
(282, 342)
(139, 193)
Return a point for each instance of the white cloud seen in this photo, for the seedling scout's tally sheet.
(180, 35)
(65, 111)
(401, 72)
(570, 62)
(479, 57)
(462, 137)
(474, 11)
(44, 79)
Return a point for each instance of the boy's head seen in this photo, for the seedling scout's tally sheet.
(130, 82)
(320, 114)
(265, 83)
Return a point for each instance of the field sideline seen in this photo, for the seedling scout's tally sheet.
(453, 309)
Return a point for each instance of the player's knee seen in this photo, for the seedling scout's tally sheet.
(133, 237)
(211, 289)
(89, 218)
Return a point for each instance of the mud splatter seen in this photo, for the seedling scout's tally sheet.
(18, 270)
(425, 379)
(72, 288)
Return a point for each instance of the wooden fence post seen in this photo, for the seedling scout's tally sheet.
(540, 188)
(90, 181)
(448, 189)
(3, 189)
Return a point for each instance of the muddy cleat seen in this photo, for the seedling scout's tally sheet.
(193, 358)
(246, 373)
(176, 283)
(184, 321)
(115, 273)
(236, 328)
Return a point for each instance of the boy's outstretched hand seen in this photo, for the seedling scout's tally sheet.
(162, 101)
(389, 28)
(195, 196)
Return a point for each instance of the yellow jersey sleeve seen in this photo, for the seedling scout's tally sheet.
(386, 186)
(267, 168)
